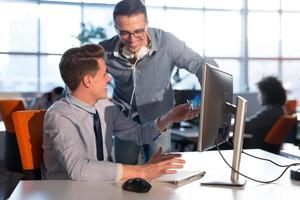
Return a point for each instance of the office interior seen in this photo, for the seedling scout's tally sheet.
(249, 39)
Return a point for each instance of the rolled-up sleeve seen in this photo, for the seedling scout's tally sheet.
(186, 58)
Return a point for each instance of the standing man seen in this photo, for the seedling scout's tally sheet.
(78, 129)
(141, 60)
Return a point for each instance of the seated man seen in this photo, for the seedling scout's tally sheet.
(78, 145)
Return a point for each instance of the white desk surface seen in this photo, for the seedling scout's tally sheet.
(209, 161)
(291, 153)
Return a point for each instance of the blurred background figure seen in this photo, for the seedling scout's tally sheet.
(47, 99)
(272, 97)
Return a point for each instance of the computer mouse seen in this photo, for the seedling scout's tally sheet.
(136, 185)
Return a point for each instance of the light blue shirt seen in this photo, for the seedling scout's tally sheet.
(69, 140)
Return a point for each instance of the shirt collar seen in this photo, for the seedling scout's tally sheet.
(76, 102)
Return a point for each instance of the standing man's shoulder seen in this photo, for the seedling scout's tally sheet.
(109, 45)
(162, 37)
(168, 42)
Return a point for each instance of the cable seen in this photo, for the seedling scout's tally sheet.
(253, 179)
(260, 158)
(134, 86)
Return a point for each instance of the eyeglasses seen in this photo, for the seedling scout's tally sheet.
(126, 35)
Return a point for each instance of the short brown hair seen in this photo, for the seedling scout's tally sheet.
(78, 62)
(129, 8)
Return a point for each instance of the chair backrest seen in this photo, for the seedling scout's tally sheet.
(290, 106)
(29, 130)
(7, 107)
(283, 126)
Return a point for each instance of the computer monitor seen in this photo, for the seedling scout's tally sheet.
(215, 117)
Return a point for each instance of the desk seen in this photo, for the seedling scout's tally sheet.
(209, 161)
(293, 153)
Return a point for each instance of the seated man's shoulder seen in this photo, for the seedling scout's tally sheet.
(60, 104)
(61, 107)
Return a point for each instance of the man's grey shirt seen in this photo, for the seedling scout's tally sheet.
(69, 140)
(154, 94)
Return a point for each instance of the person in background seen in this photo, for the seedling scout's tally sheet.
(78, 129)
(272, 97)
(141, 60)
(47, 99)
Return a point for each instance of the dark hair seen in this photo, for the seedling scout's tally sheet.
(58, 90)
(78, 62)
(129, 8)
(272, 90)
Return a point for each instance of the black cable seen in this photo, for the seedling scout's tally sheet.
(256, 180)
(260, 158)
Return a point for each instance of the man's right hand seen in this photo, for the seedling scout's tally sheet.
(158, 165)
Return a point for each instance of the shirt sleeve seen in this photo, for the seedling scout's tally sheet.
(120, 172)
(184, 57)
(127, 129)
(66, 156)
(158, 129)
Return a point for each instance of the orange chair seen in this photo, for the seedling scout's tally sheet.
(290, 106)
(29, 131)
(279, 131)
(12, 158)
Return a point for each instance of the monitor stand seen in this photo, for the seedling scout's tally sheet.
(238, 135)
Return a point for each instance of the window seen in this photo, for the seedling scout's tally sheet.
(259, 69)
(249, 41)
(58, 31)
(18, 72)
(263, 34)
(264, 5)
(50, 76)
(291, 77)
(222, 34)
(180, 25)
(290, 35)
(93, 16)
(13, 24)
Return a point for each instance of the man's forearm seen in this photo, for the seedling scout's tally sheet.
(164, 122)
(131, 171)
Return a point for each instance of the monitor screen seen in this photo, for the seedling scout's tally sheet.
(215, 121)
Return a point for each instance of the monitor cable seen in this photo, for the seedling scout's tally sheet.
(253, 179)
(260, 158)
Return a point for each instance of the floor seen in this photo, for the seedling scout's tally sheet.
(8, 181)
(3, 179)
